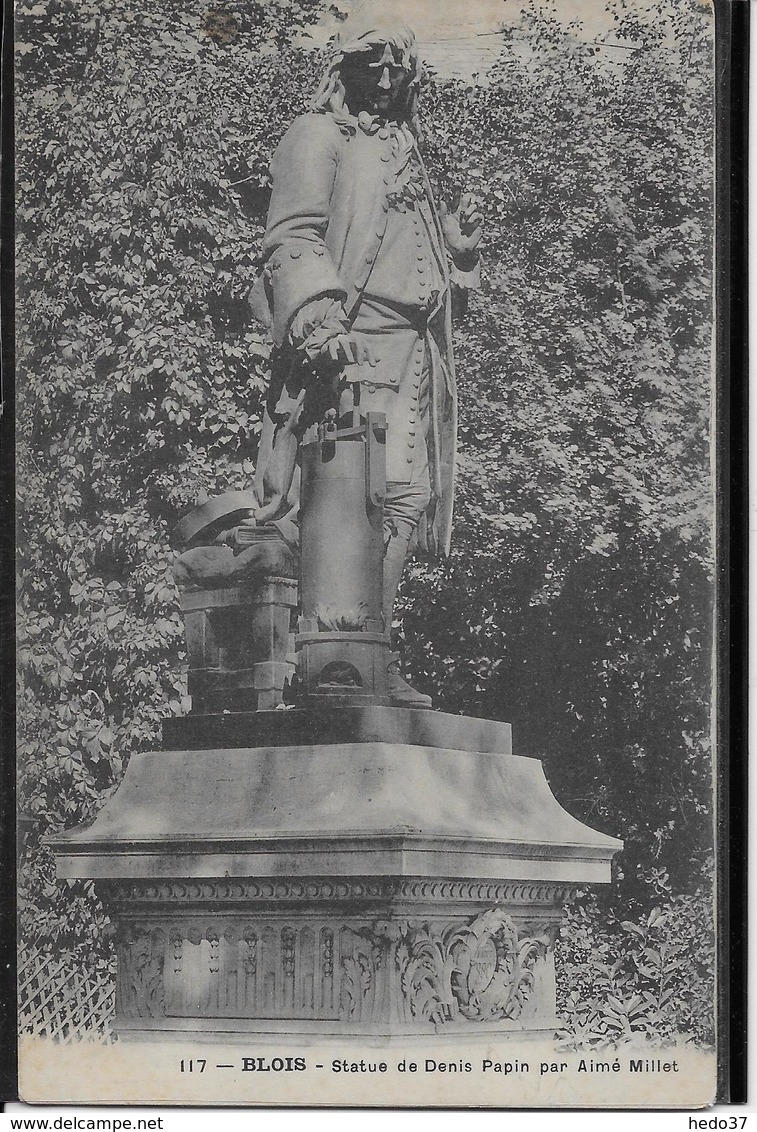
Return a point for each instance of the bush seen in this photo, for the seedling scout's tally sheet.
(650, 979)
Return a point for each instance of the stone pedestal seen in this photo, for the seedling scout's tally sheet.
(237, 608)
(357, 955)
(272, 877)
(238, 640)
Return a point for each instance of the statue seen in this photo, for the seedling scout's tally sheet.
(357, 286)
(351, 866)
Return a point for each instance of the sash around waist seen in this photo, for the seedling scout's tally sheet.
(396, 336)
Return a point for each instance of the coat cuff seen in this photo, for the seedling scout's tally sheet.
(299, 272)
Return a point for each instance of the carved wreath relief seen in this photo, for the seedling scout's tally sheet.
(479, 972)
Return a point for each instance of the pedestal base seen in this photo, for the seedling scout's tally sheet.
(359, 956)
(363, 888)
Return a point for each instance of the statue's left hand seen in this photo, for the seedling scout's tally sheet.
(462, 228)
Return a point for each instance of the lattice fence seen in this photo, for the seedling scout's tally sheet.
(63, 998)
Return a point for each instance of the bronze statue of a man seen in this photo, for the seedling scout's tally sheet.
(359, 269)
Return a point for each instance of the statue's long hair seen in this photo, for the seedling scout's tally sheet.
(363, 34)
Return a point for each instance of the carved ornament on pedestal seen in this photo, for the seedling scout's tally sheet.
(322, 961)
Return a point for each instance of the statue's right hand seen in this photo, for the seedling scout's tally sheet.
(344, 349)
(321, 331)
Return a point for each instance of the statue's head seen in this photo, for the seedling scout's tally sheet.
(374, 67)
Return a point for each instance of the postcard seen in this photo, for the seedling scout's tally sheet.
(367, 464)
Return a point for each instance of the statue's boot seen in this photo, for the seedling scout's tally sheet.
(400, 692)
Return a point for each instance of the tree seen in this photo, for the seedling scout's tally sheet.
(141, 369)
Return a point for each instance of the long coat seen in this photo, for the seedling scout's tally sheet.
(326, 223)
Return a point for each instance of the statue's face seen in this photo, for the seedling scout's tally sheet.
(374, 80)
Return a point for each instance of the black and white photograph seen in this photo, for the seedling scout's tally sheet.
(367, 465)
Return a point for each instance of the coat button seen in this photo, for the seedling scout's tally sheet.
(410, 459)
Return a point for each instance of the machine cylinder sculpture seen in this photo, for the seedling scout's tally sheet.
(342, 647)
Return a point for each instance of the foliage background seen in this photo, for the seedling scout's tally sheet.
(578, 600)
